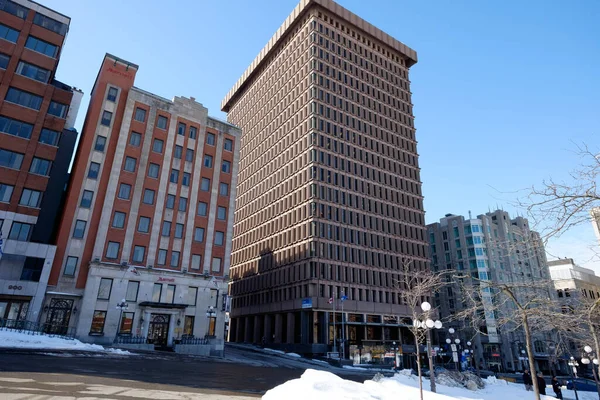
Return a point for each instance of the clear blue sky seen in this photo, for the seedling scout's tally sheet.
(501, 90)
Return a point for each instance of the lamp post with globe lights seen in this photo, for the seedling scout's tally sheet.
(454, 346)
(573, 370)
(422, 328)
(590, 358)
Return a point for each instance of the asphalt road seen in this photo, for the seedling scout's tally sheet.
(241, 373)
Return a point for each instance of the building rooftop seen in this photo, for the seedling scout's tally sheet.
(42, 9)
(298, 12)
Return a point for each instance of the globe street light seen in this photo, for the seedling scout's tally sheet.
(587, 360)
(427, 325)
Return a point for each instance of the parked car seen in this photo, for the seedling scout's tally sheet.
(582, 384)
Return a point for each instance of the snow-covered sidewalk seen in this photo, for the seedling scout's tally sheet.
(19, 340)
(322, 385)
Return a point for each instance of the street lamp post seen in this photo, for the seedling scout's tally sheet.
(395, 350)
(573, 370)
(122, 305)
(590, 358)
(454, 347)
(210, 313)
(428, 325)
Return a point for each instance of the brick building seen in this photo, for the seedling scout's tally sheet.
(329, 201)
(37, 139)
(148, 219)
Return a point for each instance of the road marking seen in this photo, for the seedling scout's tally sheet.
(16, 380)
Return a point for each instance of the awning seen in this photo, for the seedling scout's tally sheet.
(153, 304)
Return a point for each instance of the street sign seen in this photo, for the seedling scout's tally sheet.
(307, 303)
(433, 352)
(454, 356)
(453, 347)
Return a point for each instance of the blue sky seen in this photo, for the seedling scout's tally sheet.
(501, 90)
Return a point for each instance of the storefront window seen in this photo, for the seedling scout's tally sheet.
(126, 323)
(188, 327)
(98, 322)
(212, 321)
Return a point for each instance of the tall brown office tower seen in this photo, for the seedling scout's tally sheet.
(329, 199)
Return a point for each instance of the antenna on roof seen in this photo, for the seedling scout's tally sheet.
(469, 214)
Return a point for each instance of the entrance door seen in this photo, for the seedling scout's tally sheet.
(158, 330)
(59, 314)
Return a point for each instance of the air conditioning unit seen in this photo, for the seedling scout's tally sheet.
(205, 274)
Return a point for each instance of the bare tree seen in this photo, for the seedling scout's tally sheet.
(417, 286)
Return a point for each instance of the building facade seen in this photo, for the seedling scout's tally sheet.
(37, 139)
(329, 202)
(492, 247)
(148, 219)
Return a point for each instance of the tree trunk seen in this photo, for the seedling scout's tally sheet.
(597, 347)
(528, 346)
(419, 365)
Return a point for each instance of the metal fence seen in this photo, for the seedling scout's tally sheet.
(193, 340)
(130, 340)
(35, 328)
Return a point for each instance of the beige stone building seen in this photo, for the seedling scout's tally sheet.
(329, 201)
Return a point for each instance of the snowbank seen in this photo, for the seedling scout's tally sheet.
(19, 340)
(322, 385)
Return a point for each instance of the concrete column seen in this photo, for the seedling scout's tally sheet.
(256, 337)
(172, 322)
(290, 328)
(305, 325)
(146, 323)
(267, 328)
(278, 328)
(247, 333)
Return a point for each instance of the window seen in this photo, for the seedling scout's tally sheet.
(5, 192)
(105, 288)
(49, 137)
(40, 166)
(4, 60)
(187, 177)
(182, 204)
(124, 191)
(166, 228)
(100, 143)
(130, 164)
(79, 229)
(140, 115)
(208, 161)
(162, 122)
(153, 170)
(189, 155)
(221, 213)
(50, 24)
(148, 196)
(94, 170)
(174, 259)
(202, 209)
(170, 294)
(210, 139)
(112, 250)
(178, 152)
(24, 99)
(188, 325)
(212, 326)
(158, 145)
(181, 129)
(226, 167)
(30, 198)
(144, 225)
(162, 257)
(15, 9)
(196, 261)
(15, 127)
(138, 254)
(216, 264)
(156, 292)
(10, 159)
(60, 110)
(133, 288)
(126, 323)
(135, 139)
(70, 266)
(193, 132)
(228, 145)
(9, 34)
(219, 238)
(174, 177)
(199, 235)
(224, 189)
(86, 199)
(205, 185)
(170, 202)
(178, 231)
(33, 72)
(20, 231)
(192, 295)
(118, 220)
(98, 322)
(112, 94)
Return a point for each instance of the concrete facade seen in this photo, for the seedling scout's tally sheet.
(329, 202)
(37, 140)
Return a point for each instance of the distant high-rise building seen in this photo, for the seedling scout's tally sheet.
(329, 201)
(37, 139)
(492, 247)
(148, 218)
(595, 214)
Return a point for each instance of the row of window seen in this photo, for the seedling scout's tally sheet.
(24, 130)
(32, 43)
(13, 160)
(33, 101)
(29, 197)
(26, 69)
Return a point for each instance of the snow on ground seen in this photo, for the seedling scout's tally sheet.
(15, 339)
(293, 355)
(273, 351)
(322, 385)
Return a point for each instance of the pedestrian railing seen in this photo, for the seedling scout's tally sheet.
(126, 339)
(193, 340)
(35, 328)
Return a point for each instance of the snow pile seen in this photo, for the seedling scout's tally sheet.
(293, 355)
(273, 351)
(20, 340)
